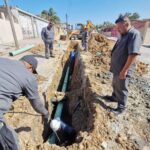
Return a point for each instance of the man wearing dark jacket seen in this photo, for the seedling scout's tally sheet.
(47, 35)
(123, 59)
(17, 79)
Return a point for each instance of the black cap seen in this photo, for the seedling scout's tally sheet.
(122, 18)
(32, 61)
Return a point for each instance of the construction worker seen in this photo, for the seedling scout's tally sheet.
(17, 79)
(123, 59)
(85, 38)
(47, 35)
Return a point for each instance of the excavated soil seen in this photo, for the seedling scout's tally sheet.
(97, 128)
(37, 49)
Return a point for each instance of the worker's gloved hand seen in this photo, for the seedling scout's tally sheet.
(46, 124)
(47, 118)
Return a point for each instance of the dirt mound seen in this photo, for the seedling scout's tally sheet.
(141, 68)
(100, 47)
(98, 43)
(39, 48)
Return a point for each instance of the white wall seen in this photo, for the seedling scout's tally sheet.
(40, 25)
(147, 37)
(6, 35)
(26, 25)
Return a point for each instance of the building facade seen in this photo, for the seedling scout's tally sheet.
(26, 25)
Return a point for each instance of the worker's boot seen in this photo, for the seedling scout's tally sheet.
(85, 50)
(52, 55)
(46, 57)
(118, 110)
(109, 98)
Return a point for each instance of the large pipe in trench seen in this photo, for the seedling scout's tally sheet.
(52, 139)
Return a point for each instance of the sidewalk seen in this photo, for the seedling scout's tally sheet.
(6, 48)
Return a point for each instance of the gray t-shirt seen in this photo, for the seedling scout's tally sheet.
(126, 45)
(47, 35)
(16, 81)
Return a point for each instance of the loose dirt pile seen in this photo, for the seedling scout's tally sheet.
(100, 47)
(141, 68)
(38, 49)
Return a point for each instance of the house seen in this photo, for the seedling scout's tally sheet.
(26, 25)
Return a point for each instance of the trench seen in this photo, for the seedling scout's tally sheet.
(61, 107)
(78, 106)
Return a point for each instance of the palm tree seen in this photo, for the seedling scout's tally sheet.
(50, 15)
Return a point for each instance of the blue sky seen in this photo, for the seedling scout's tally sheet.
(82, 10)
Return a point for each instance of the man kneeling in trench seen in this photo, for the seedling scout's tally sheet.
(17, 79)
(123, 58)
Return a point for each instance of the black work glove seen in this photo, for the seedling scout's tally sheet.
(46, 126)
(47, 118)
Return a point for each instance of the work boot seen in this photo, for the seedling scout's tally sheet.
(109, 98)
(52, 56)
(47, 57)
(116, 111)
(86, 50)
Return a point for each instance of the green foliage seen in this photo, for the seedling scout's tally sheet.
(132, 16)
(105, 24)
(50, 15)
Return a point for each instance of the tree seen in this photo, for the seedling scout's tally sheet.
(132, 16)
(50, 15)
(105, 24)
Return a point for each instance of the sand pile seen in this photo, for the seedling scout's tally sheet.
(39, 48)
(100, 47)
(98, 43)
(141, 68)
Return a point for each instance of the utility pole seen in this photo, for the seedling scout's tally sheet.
(11, 24)
(67, 23)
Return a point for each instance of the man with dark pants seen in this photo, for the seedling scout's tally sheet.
(17, 79)
(85, 38)
(47, 35)
(123, 58)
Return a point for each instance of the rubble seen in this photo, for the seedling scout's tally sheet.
(141, 68)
